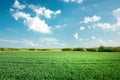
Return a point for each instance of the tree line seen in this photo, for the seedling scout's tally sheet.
(96, 49)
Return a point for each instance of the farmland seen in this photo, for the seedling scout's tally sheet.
(60, 65)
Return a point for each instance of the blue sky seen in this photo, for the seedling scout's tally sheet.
(59, 23)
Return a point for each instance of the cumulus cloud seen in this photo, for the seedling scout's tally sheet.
(76, 36)
(34, 23)
(19, 14)
(91, 19)
(105, 26)
(108, 26)
(77, 1)
(18, 5)
(116, 14)
(82, 28)
(108, 42)
(42, 11)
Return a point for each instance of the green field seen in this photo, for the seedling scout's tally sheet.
(59, 66)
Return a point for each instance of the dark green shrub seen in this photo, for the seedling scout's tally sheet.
(92, 49)
(79, 49)
(45, 49)
(117, 49)
(67, 49)
(108, 49)
(3, 49)
(32, 49)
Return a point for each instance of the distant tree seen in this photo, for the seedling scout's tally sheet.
(17, 49)
(32, 49)
(46, 49)
(117, 49)
(79, 49)
(4, 49)
(109, 49)
(39, 49)
(101, 49)
(92, 49)
(67, 49)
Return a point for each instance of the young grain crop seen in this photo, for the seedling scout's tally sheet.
(59, 66)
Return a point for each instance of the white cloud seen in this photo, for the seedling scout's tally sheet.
(58, 12)
(51, 41)
(17, 43)
(97, 42)
(36, 24)
(116, 14)
(108, 42)
(37, 10)
(93, 37)
(33, 23)
(26, 43)
(18, 15)
(29, 43)
(42, 11)
(102, 42)
(48, 13)
(61, 26)
(82, 28)
(105, 26)
(18, 5)
(76, 36)
(91, 19)
(108, 26)
(58, 26)
(77, 1)
(66, 0)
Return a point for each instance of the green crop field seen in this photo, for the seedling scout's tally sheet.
(59, 66)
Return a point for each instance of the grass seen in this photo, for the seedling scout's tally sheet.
(59, 66)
